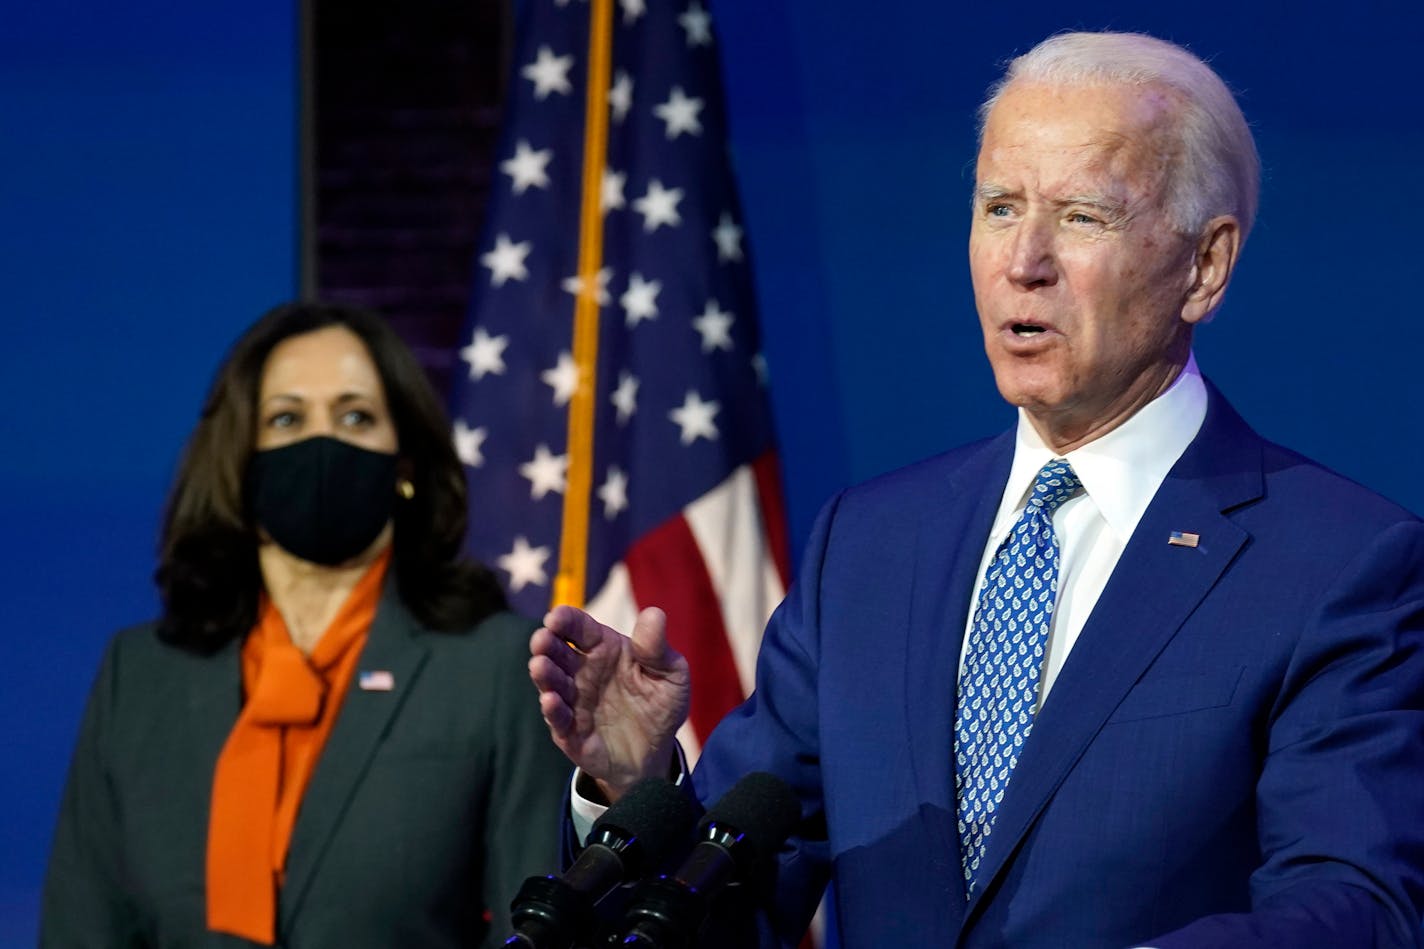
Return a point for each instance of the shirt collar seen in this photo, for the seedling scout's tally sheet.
(1122, 470)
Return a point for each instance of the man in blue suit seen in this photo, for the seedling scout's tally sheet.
(1127, 675)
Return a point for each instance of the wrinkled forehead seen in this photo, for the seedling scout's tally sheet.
(1117, 132)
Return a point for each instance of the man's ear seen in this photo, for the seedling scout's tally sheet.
(1212, 264)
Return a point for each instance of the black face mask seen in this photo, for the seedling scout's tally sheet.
(320, 498)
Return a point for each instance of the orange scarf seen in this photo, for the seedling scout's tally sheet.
(291, 704)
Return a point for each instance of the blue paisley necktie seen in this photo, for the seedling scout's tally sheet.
(998, 686)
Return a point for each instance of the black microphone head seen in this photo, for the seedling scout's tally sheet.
(762, 811)
(652, 821)
(738, 842)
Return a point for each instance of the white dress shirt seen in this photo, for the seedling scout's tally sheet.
(1120, 473)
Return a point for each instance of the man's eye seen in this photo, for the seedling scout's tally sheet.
(998, 210)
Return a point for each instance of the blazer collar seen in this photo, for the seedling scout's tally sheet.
(393, 647)
(1151, 592)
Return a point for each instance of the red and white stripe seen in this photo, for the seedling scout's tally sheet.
(717, 569)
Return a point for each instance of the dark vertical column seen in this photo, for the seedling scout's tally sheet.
(404, 111)
(306, 149)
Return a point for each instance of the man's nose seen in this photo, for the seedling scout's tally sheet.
(1031, 255)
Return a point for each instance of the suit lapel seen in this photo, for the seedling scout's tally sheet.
(949, 546)
(361, 724)
(1151, 592)
(215, 700)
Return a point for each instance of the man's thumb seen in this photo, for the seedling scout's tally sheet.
(650, 646)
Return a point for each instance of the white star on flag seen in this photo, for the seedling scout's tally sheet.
(485, 354)
(468, 443)
(695, 417)
(506, 261)
(525, 565)
(528, 168)
(728, 237)
(680, 113)
(563, 378)
(614, 493)
(667, 481)
(659, 206)
(632, 9)
(620, 97)
(549, 73)
(625, 397)
(698, 25)
(612, 191)
(714, 324)
(546, 472)
(574, 285)
(640, 300)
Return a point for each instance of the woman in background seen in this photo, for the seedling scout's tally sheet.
(329, 738)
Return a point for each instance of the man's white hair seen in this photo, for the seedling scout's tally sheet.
(1218, 170)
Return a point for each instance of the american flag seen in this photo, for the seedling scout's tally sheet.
(612, 415)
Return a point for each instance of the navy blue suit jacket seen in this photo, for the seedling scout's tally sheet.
(1233, 754)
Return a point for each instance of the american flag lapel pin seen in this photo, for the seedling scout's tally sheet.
(1183, 539)
(376, 680)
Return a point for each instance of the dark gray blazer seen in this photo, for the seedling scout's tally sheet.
(430, 804)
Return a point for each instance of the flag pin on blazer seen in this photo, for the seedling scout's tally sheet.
(1183, 539)
(376, 680)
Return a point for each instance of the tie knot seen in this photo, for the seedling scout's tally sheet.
(1055, 484)
(288, 690)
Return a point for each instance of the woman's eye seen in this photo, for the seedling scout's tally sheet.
(356, 418)
(283, 420)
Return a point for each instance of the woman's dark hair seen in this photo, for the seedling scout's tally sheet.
(207, 571)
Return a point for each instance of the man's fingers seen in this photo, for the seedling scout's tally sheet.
(554, 647)
(556, 694)
(548, 677)
(557, 715)
(575, 627)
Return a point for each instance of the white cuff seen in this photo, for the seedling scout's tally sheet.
(585, 812)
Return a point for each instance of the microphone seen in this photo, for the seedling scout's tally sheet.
(739, 838)
(635, 835)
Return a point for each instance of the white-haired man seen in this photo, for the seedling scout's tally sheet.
(1126, 675)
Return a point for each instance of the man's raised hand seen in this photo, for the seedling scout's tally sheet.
(613, 703)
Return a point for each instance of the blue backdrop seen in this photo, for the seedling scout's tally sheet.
(148, 212)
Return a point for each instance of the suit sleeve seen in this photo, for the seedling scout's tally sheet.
(84, 902)
(527, 791)
(777, 730)
(1340, 806)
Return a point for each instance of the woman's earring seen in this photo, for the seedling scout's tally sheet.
(404, 488)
